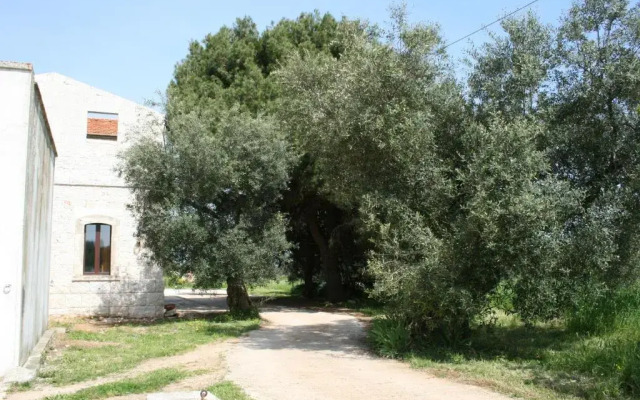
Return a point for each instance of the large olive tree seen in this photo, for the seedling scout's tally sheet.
(206, 199)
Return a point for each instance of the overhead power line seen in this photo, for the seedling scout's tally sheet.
(488, 25)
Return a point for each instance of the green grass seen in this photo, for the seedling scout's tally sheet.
(546, 361)
(143, 383)
(228, 391)
(593, 353)
(21, 387)
(127, 345)
(277, 288)
(175, 281)
(365, 306)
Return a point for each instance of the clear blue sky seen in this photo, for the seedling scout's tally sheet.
(130, 47)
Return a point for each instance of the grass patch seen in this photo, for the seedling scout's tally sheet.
(118, 348)
(365, 305)
(228, 391)
(277, 288)
(143, 383)
(21, 387)
(546, 361)
(507, 358)
(176, 281)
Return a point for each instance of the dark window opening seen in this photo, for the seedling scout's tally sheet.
(97, 249)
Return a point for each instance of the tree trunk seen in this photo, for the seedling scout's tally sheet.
(335, 291)
(308, 268)
(237, 297)
(329, 260)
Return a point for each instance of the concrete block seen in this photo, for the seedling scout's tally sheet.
(29, 370)
(180, 396)
(20, 375)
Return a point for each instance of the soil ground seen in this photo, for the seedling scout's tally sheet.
(318, 355)
(297, 354)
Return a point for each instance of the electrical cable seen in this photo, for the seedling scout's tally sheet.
(488, 25)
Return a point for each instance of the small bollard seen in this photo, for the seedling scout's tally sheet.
(203, 394)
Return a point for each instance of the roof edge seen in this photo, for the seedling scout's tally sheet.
(57, 75)
(43, 109)
(16, 65)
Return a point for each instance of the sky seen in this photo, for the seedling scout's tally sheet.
(130, 47)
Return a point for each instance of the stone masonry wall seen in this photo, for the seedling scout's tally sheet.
(88, 190)
(134, 288)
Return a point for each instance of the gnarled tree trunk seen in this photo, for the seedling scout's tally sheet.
(237, 296)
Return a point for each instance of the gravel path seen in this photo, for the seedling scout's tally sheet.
(318, 355)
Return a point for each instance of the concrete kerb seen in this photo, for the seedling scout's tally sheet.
(202, 292)
(28, 371)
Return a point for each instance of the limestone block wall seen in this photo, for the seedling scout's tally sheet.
(88, 190)
(133, 289)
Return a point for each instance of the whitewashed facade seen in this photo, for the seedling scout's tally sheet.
(27, 161)
(96, 267)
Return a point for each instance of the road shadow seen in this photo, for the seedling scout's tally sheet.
(344, 336)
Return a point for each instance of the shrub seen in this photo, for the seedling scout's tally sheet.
(389, 337)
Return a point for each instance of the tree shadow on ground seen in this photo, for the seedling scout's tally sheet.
(342, 337)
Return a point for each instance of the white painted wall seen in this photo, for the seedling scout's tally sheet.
(88, 190)
(27, 157)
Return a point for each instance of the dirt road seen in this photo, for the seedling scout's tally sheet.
(318, 355)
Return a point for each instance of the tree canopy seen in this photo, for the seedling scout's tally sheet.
(353, 157)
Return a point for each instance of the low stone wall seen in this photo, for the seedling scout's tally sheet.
(124, 298)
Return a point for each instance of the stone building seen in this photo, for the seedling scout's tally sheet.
(27, 161)
(96, 266)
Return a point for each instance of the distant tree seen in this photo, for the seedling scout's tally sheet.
(594, 124)
(578, 84)
(510, 73)
(206, 200)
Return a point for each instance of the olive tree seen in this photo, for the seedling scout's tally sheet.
(206, 199)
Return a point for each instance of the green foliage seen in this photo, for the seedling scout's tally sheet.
(389, 338)
(593, 119)
(523, 194)
(206, 199)
(175, 280)
(231, 68)
(372, 107)
(509, 72)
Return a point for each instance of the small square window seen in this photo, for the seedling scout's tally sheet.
(102, 125)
